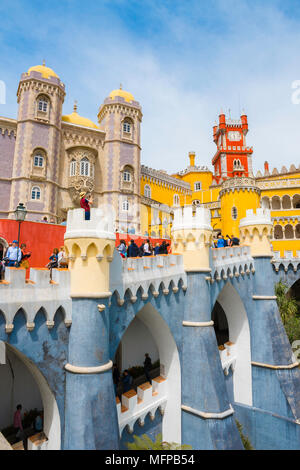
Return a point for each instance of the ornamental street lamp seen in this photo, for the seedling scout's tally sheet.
(20, 214)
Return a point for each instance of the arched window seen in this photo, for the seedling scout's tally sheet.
(296, 201)
(38, 160)
(127, 176)
(127, 126)
(43, 103)
(125, 206)
(288, 232)
(234, 213)
(265, 202)
(276, 203)
(84, 167)
(286, 202)
(147, 190)
(197, 186)
(278, 232)
(73, 168)
(297, 231)
(176, 200)
(36, 193)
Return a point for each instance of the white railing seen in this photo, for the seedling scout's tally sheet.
(136, 405)
(231, 262)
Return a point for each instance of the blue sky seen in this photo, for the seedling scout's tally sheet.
(182, 60)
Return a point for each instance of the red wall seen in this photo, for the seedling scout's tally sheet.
(41, 238)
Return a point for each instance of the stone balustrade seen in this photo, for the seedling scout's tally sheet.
(149, 272)
(231, 262)
(136, 405)
(37, 292)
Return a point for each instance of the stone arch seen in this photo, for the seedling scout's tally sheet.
(296, 201)
(288, 232)
(91, 251)
(265, 202)
(278, 232)
(52, 424)
(286, 202)
(276, 203)
(3, 247)
(239, 334)
(170, 368)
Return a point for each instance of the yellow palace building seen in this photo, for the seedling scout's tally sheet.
(228, 191)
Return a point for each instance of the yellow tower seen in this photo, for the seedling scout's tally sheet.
(192, 237)
(256, 230)
(90, 246)
(237, 195)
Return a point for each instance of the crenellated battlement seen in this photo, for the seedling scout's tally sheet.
(33, 294)
(256, 230)
(192, 236)
(230, 262)
(154, 273)
(89, 245)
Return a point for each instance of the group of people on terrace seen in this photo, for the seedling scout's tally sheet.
(124, 382)
(221, 242)
(14, 256)
(145, 249)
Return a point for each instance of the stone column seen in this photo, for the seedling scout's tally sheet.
(275, 375)
(207, 419)
(91, 416)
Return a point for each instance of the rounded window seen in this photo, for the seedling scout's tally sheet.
(36, 193)
(38, 160)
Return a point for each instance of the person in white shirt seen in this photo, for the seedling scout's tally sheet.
(147, 249)
(13, 255)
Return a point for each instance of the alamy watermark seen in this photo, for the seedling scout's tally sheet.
(2, 92)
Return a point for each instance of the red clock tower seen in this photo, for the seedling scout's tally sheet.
(233, 157)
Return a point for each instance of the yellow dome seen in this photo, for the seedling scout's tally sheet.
(45, 71)
(74, 118)
(124, 94)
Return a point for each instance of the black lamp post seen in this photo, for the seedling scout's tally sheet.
(20, 214)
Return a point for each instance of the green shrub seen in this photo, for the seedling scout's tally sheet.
(145, 443)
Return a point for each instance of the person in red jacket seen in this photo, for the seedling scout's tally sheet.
(85, 204)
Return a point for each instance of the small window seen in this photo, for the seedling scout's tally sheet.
(126, 127)
(43, 104)
(73, 168)
(35, 193)
(234, 213)
(126, 176)
(38, 160)
(198, 186)
(125, 206)
(176, 200)
(84, 167)
(147, 191)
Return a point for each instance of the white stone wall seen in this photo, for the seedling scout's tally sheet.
(137, 341)
(22, 389)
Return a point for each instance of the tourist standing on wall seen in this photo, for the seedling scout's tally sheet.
(122, 249)
(147, 248)
(13, 255)
(25, 256)
(85, 204)
(133, 250)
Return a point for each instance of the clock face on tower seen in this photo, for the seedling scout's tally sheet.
(234, 135)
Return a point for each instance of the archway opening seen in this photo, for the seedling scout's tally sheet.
(156, 407)
(21, 382)
(294, 293)
(233, 338)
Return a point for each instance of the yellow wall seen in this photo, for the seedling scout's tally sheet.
(240, 199)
